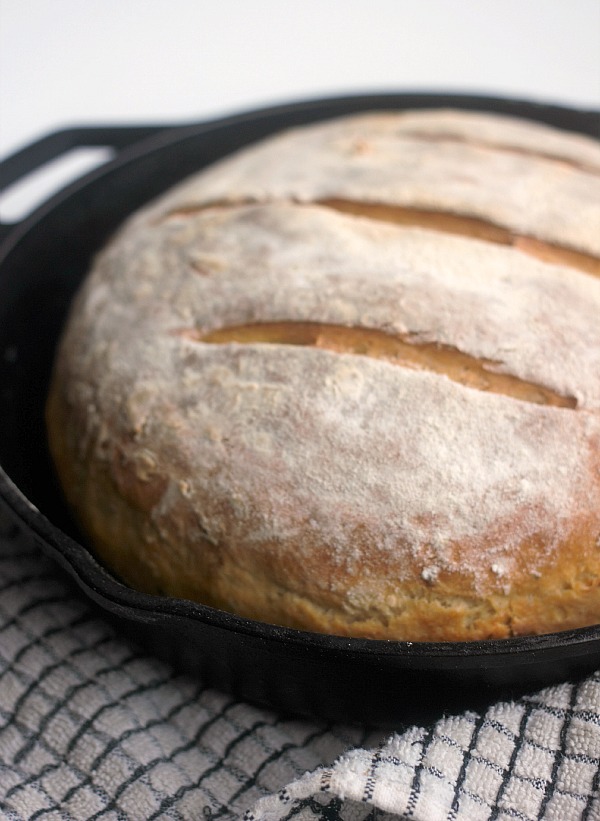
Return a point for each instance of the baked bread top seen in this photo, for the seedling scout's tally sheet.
(349, 380)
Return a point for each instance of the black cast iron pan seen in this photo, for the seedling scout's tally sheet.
(42, 260)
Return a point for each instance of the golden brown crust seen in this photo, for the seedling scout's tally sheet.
(323, 420)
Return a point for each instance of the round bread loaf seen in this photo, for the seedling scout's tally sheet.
(348, 380)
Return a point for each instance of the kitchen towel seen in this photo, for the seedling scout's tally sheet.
(92, 727)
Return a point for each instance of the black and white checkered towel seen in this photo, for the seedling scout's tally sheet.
(92, 728)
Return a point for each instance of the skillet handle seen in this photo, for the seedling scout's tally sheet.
(20, 164)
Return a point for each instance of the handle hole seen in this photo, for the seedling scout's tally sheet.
(18, 200)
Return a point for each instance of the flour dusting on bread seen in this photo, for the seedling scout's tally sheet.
(348, 380)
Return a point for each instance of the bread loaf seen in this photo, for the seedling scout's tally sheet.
(348, 380)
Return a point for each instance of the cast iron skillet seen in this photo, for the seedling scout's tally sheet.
(42, 260)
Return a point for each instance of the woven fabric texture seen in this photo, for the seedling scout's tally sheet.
(92, 727)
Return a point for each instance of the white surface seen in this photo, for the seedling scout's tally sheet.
(66, 61)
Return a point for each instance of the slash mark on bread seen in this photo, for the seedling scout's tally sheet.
(459, 224)
(468, 227)
(403, 350)
(439, 137)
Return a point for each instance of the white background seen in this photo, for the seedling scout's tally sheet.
(65, 62)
